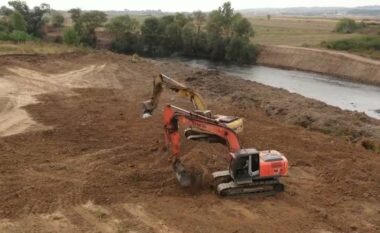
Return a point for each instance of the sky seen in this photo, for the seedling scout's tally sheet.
(191, 5)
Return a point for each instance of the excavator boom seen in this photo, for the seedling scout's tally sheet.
(162, 81)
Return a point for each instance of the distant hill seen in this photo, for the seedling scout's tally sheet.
(373, 11)
(134, 12)
(364, 11)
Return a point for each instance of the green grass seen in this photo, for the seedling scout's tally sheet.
(364, 45)
(37, 48)
(308, 32)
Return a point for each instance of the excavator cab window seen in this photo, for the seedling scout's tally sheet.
(245, 166)
(255, 165)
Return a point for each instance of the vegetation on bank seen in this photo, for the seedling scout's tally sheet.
(366, 45)
(366, 42)
(19, 23)
(347, 25)
(221, 35)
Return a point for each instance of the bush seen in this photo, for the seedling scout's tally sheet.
(57, 20)
(240, 50)
(18, 22)
(360, 43)
(346, 26)
(71, 37)
(19, 36)
(129, 43)
(4, 36)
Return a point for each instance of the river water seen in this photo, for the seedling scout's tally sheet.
(343, 94)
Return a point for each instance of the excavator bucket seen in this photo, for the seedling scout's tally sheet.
(147, 109)
(182, 175)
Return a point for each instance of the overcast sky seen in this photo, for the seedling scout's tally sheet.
(190, 5)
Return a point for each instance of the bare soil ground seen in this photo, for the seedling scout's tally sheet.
(76, 157)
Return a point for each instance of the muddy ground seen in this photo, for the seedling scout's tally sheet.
(76, 157)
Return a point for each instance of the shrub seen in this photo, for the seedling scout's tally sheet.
(360, 43)
(129, 43)
(19, 36)
(346, 26)
(57, 19)
(71, 37)
(18, 22)
(4, 36)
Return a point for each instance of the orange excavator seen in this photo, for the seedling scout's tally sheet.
(250, 171)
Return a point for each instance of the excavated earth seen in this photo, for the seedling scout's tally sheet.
(75, 156)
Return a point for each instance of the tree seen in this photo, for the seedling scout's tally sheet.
(17, 22)
(5, 11)
(227, 13)
(57, 19)
(150, 34)
(346, 26)
(240, 50)
(75, 17)
(129, 43)
(71, 37)
(188, 39)
(34, 18)
(120, 25)
(125, 31)
(199, 20)
(172, 38)
(19, 36)
(241, 26)
(87, 24)
(216, 46)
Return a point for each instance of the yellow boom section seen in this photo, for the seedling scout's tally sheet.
(162, 81)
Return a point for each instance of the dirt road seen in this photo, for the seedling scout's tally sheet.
(76, 157)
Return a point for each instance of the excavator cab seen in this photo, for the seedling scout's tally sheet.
(245, 165)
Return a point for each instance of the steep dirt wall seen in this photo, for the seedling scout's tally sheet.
(343, 65)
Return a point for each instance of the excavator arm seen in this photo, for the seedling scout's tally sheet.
(174, 116)
(162, 81)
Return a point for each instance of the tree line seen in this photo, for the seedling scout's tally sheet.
(221, 35)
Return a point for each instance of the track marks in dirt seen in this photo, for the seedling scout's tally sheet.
(19, 87)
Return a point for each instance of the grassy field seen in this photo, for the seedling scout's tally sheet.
(308, 32)
(36, 48)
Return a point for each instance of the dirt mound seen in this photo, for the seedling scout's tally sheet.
(97, 166)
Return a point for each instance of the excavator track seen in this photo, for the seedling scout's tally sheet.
(266, 187)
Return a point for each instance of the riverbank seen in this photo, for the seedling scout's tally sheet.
(342, 65)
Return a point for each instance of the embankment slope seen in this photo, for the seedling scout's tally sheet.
(339, 64)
